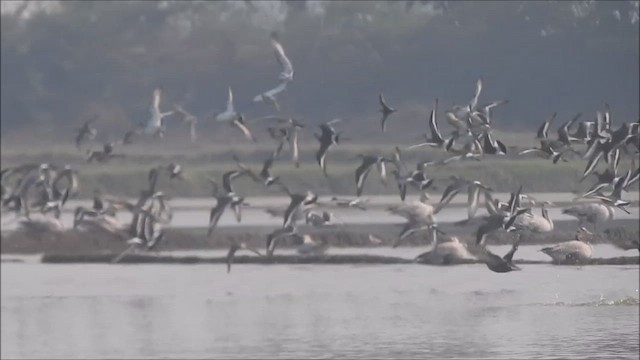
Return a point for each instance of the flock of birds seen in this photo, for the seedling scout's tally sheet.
(36, 193)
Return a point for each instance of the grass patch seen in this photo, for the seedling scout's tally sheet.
(125, 177)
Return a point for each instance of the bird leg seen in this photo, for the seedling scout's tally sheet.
(119, 257)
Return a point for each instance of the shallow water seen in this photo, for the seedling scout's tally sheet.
(526, 252)
(318, 311)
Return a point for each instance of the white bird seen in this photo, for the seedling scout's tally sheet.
(231, 117)
(285, 76)
(229, 114)
(189, 119)
(593, 213)
(573, 250)
(287, 68)
(461, 111)
(155, 125)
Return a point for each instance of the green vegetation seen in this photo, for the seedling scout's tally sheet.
(127, 176)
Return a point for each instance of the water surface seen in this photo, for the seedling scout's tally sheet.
(318, 311)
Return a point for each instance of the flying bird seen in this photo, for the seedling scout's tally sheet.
(287, 69)
(363, 170)
(285, 76)
(155, 125)
(436, 140)
(231, 117)
(327, 138)
(189, 119)
(295, 205)
(386, 110)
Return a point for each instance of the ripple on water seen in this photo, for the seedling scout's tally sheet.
(625, 301)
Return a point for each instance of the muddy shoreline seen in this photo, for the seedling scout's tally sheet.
(72, 242)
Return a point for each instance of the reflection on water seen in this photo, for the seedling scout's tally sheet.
(288, 311)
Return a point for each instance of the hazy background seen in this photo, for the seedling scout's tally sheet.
(63, 61)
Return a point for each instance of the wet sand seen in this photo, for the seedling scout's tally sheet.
(72, 242)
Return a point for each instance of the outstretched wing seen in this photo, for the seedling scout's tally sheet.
(383, 103)
(474, 101)
(157, 93)
(278, 89)
(287, 68)
(230, 102)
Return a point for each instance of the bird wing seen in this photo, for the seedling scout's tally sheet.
(216, 213)
(230, 102)
(361, 175)
(293, 143)
(455, 122)
(383, 103)
(157, 93)
(433, 126)
(333, 121)
(449, 193)
(487, 107)
(245, 130)
(321, 156)
(474, 100)
(382, 169)
(398, 162)
(591, 164)
(383, 122)
(237, 210)
(287, 68)
(294, 205)
(278, 89)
